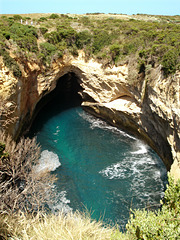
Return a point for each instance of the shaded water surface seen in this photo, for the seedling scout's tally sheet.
(102, 168)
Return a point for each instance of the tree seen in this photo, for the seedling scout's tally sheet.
(115, 51)
(21, 186)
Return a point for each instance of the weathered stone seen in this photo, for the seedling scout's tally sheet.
(149, 107)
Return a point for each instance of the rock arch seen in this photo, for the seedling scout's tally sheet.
(66, 87)
(108, 94)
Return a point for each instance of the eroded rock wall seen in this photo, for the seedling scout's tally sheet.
(148, 107)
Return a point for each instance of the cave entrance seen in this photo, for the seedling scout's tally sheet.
(67, 90)
(66, 94)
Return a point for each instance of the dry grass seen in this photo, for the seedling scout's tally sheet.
(73, 226)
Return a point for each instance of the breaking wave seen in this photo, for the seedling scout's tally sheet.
(142, 171)
(61, 203)
(141, 148)
(48, 161)
(98, 123)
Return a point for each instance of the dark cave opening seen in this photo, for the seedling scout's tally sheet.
(65, 95)
(67, 89)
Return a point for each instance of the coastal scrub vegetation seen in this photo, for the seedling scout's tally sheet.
(110, 40)
(21, 188)
(143, 224)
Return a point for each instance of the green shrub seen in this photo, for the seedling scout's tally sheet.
(85, 20)
(24, 36)
(67, 34)
(17, 17)
(172, 196)
(7, 35)
(83, 39)
(43, 30)
(54, 16)
(100, 40)
(20, 30)
(161, 224)
(10, 63)
(42, 19)
(144, 53)
(52, 37)
(115, 51)
(4, 17)
(169, 62)
(129, 48)
(47, 48)
(27, 43)
(47, 51)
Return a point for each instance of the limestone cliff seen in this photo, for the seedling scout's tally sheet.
(146, 104)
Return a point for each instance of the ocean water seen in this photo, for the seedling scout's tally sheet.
(100, 168)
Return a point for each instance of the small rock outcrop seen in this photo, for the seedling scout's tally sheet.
(147, 105)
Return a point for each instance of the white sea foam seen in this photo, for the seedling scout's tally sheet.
(48, 161)
(114, 171)
(140, 171)
(61, 203)
(142, 148)
(98, 123)
(138, 166)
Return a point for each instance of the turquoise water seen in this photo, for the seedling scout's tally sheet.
(103, 169)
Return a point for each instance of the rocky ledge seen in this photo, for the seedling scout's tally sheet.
(146, 104)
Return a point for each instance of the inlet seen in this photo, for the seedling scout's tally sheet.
(103, 169)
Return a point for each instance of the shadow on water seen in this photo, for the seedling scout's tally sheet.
(104, 170)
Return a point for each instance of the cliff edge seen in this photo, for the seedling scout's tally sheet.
(144, 103)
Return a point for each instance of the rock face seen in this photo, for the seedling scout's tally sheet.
(148, 106)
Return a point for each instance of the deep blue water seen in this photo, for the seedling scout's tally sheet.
(103, 169)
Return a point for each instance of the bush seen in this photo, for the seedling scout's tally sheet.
(43, 30)
(47, 48)
(24, 36)
(163, 224)
(83, 39)
(115, 50)
(54, 16)
(21, 188)
(100, 40)
(85, 20)
(17, 17)
(74, 226)
(7, 35)
(27, 43)
(20, 30)
(169, 62)
(69, 35)
(10, 63)
(62, 34)
(42, 19)
(47, 51)
(129, 48)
